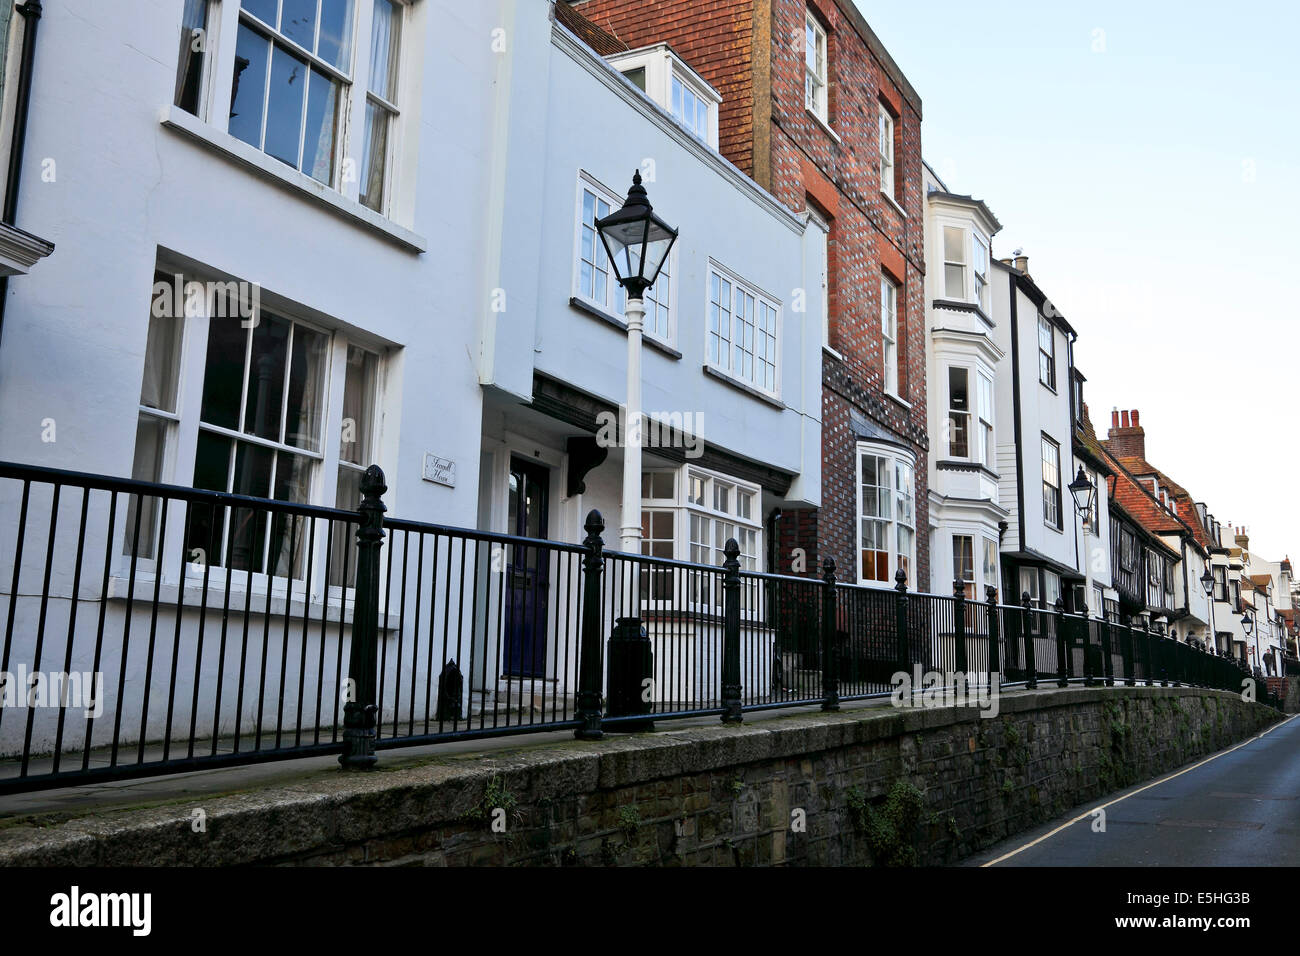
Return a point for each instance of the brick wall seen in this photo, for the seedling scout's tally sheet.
(714, 37)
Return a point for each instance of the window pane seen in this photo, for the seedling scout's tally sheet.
(298, 22)
(284, 106)
(322, 126)
(374, 156)
(954, 281)
(954, 244)
(384, 41)
(358, 405)
(335, 46)
(150, 437)
(957, 388)
(306, 397)
(189, 65)
(158, 384)
(223, 375)
(266, 377)
(262, 9)
(249, 86)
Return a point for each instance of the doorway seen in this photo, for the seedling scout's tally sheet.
(527, 570)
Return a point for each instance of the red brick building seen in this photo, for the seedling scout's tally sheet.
(816, 111)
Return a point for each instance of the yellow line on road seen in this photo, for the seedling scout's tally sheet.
(1154, 783)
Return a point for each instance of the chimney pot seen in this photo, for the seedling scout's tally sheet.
(1114, 418)
(1135, 418)
(1124, 417)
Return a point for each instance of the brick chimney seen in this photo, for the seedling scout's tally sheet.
(1242, 539)
(1126, 439)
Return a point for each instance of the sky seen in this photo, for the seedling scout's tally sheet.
(1144, 156)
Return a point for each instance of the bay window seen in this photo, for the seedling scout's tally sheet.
(889, 332)
(886, 514)
(958, 412)
(741, 335)
(954, 263)
(980, 269)
(689, 514)
(984, 438)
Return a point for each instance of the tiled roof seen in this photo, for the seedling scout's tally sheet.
(1138, 503)
(1188, 516)
(1261, 581)
(599, 40)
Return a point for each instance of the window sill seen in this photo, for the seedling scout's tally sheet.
(737, 384)
(276, 172)
(899, 399)
(609, 318)
(832, 353)
(825, 125)
(894, 202)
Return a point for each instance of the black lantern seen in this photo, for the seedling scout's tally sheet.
(1082, 489)
(636, 241)
(1247, 623)
(1207, 581)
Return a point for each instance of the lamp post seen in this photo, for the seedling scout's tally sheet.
(637, 243)
(1248, 625)
(1207, 584)
(1083, 491)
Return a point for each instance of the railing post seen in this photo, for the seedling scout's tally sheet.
(1107, 665)
(900, 621)
(363, 656)
(1031, 669)
(1146, 653)
(1089, 671)
(959, 624)
(1063, 668)
(1126, 649)
(995, 662)
(593, 564)
(731, 712)
(830, 642)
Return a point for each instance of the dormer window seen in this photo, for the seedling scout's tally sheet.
(664, 77)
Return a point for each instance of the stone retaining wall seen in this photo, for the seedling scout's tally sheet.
(871, 785)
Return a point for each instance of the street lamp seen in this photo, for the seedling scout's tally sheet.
(1207, 584)
(1248, 625)
(1083, 491)
(637, 243)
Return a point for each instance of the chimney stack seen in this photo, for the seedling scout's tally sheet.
(1126, 439)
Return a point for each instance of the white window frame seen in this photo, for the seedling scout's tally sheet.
(897, 459)
(968, 413)
(225, 18)
(1048, 502)
(885, 150)
(181, 440)
(661, 67)
(816, 86)
(986, 402)
(736, 324)
(660, 311)
(889, 290)
(961, 295)
(980, 264)
(1044, 326)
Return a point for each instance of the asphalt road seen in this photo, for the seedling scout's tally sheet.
(1240, 807)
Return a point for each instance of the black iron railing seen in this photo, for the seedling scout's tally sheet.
(152, 628)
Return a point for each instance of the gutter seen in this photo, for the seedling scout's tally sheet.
(31, 13)
(1015, 403)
